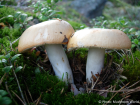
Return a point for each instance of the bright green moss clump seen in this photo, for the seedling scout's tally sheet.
(6, 15)
(132, 71)
(55, 92)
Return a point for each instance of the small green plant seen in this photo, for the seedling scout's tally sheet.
(46, 9)
(21, 20)
(4, 100)
(7, 63)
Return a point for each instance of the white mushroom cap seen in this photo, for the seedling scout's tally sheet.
(48, 32)
(97, 40)
(51, 34)
(101, 38)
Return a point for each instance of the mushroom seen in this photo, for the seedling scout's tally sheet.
(97, 40)
(51, 34)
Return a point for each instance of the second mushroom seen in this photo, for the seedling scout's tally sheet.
(97, 40)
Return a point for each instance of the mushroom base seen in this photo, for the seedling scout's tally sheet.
(95, 62)
(59, 62)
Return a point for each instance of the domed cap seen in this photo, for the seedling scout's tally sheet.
(48, 32)
(102, 38)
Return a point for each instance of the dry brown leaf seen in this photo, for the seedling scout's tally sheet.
(37, 53)
(2, 25)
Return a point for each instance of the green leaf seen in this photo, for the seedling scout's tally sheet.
(18, 68)
(10, 16)
(23, 17)
(56, 1)
(126, 30)
(29, 18)
(132, 30)
(37, 70)
(59, 12)
(136, 41)
(7, 56)
(133, 45)
(3, 92)
(36, 5)
(44, 10)
(137, 33)
(15, 57)
(49, 1)
(2, 56)
(5, 101)
(53, 12)
(0, 97)
(104, 22)
(7, 69)
(17, 14)
(17, 25)
(4, 60)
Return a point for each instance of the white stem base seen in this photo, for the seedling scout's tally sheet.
(59, 62)
(95, 62)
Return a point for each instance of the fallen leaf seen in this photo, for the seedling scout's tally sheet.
(2, 25)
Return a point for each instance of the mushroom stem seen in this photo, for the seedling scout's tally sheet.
(95, 62)
(59, 62)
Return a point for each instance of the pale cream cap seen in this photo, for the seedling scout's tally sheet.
(102, 38)
(48, 32)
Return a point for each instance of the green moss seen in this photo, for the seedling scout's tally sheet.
(132, 71)
(11, 32)
(4, 12)
(82, 53)
(8, 2)
(8, 35)
(51, 89)
(76, 25)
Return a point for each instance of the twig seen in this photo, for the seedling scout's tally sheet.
(129, 92)
(3, 17)
(38, 99)
(14, 42)
(80, 70)
(132, 55)
(123, 99)
(107, 89)
(26, 98)
(94, 84)
(118, 53)
(29, 91)
(10, 93)
(116, 93)
(18, 98)
(123, 90)
(1, 80)
(133, 84)
(19, 87)
(137, 59)
(4, 48)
